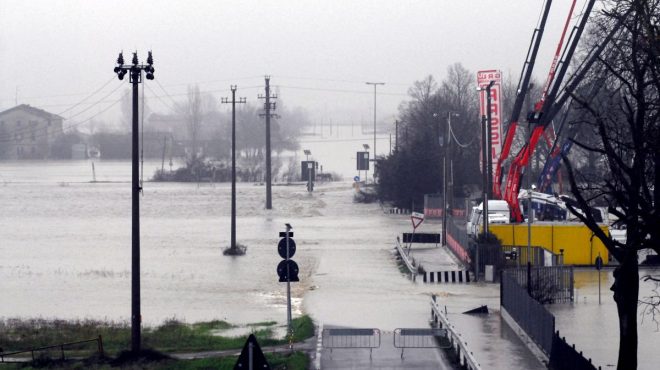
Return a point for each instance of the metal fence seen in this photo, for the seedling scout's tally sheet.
(552, 284)
(351, 338)
(458, 240)
(531, 316)
(421, 338)
(566, 357)
(506, 256)
(47, 350)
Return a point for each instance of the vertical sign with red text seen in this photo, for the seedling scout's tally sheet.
(483, 79)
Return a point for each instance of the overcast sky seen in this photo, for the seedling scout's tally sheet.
(319, 53)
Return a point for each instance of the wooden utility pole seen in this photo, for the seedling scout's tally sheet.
(233, 102)
(268, 106)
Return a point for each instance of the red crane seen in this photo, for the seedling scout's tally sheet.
(539, 118)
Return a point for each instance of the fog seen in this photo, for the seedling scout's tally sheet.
(319, 53)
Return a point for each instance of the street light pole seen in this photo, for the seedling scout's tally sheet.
(489, 166)
(375, 84)
(484, 160)
(135, 77)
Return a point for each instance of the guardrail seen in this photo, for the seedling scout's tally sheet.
(407, 260)
(420, 338)
(465, 358)
(5, 357)
(351, 338)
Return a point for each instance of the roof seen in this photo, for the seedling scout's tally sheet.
(36, 111)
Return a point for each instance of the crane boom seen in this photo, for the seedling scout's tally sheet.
(514, 177)
(523, 87)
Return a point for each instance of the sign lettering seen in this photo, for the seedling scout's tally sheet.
(483, 79)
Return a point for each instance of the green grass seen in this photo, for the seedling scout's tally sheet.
(302, 327)
(171, 336)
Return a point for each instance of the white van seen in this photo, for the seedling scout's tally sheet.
(498, 213)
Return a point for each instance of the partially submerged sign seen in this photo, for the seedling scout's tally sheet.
(251, 356)
(417, 219)
(431, 238)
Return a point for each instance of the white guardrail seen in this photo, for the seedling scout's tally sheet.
(407, 260)
(463, 354)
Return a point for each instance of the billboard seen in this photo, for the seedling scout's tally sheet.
(483, 79)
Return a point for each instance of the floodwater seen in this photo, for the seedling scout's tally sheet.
(594, 327)
(66, 250)
(66, 253)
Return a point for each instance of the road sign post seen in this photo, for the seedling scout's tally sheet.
(287, 270)
(417, 219)
(599, 266)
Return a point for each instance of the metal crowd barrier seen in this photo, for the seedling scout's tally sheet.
(421, 338)
(351, 338)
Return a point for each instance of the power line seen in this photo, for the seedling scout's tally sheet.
(167, 105)
(339, 90)
(27, 130)
(73, 125)
(88, 96)
(335, 80)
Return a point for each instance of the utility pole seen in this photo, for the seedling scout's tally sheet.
(233, 102)
(375, 84)
(396, 136)
(162, 163)
(135, 77)
(446, 140)
(268, 106)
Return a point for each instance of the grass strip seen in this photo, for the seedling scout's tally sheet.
(172, 336)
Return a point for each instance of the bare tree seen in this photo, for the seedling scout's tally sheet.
(193, 114)
(625, 118)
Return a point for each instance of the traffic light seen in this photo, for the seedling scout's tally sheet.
(287, 269)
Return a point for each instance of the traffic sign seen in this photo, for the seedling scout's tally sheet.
(356, 178)
(292, 271)
(417, 219)
(281, 248)
(252, 357)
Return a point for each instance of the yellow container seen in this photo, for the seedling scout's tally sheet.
(580, 246)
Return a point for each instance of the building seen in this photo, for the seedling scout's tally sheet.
(27, 132)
